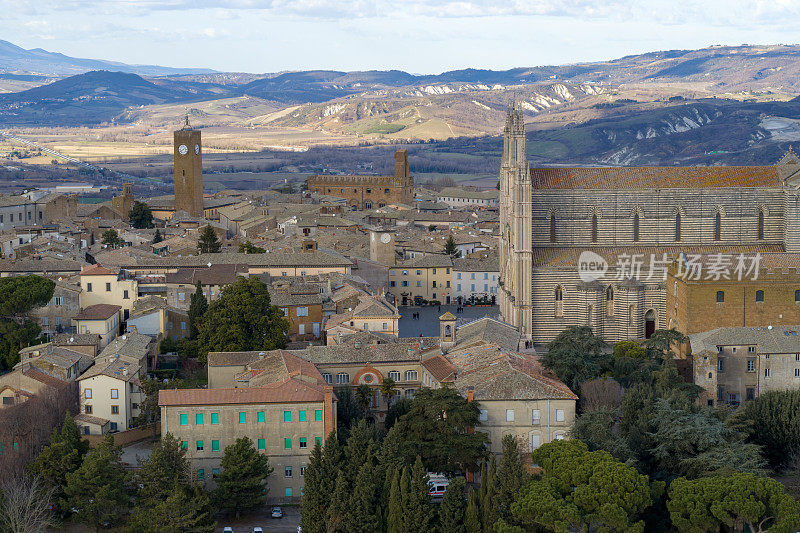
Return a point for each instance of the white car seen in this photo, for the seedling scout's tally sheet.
(227, 530)
(257, 529)
(277, 512)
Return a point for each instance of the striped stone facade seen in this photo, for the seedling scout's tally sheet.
(614, 212)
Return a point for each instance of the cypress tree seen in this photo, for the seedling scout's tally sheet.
(157, 238)
(484, 484)
(510, 476)
(360, 448)
(63, 455)
(315, 501)
(394, 519)
(489, 504)
(420, 511)
(97, 487)
(363, 514)
(198, 305)
(339, 507)
(472, 516)
(453, 508)
(405, 496)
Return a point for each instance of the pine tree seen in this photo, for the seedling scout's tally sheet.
(489, 504)
(185, 508)
(62, 456)
(472, 516)
(363, 515)
(157, 238)
(420, 511)
(454, 507)
(312, 513)
(97, 488)
(510, 476)
(450, 247)
(242, 483)
(165, 469)
(395, 520)
(198, 305)
(208, 243)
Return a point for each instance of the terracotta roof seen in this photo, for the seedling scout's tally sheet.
(440, 368)
(97, 270)
(568, 255)
(76, 339)
(220, 274)
(41, 377)
(89, 419)
(290, 390)
(98, 312)
(654, 177)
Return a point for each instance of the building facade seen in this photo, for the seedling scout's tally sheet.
(369, 192)
(555, 222)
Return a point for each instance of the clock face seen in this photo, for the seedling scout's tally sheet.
(385, 238)
(183, 149)
(197, 149)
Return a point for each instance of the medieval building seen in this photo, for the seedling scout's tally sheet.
(590, 246)
(369, 192)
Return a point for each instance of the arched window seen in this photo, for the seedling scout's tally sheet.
(720, 297)
(610, 301)
(636, 227)
(759, 296)
(594, 228)
(447, 331)
(590, 318)
(718, 227)
(677, 226)
(559, 298)
(760, 224)
(632, 315)
(552, 227)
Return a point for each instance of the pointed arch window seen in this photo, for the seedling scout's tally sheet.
(552, 227)
(609, 301)
(558, 296)
(677, 226)
(636, 227)
(718, 227)
(760, 224)
(594, 227)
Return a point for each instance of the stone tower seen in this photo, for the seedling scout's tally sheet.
(381, 246)
(447, 331)
(403, 177)
(122, 204)
(516, 229)
(188, 170)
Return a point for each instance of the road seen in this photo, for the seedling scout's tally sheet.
(287, 524)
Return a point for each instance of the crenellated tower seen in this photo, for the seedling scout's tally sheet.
(516, 228)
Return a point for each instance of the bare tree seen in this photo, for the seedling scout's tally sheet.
(24, 504)
(601, 393)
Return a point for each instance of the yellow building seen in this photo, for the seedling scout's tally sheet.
(423, 279)
(101, 285)
(99, 319)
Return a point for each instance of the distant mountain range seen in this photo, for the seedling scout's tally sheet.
(17, 60)
(712, 105)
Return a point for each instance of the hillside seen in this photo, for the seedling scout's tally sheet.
(17, 60)
(93, 97)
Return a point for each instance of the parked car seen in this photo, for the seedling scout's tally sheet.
(227, 530)
(277, 512)
(258, 529)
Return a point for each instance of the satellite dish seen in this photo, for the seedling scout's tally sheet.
(209, 264)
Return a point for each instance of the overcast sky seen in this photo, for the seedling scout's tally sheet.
(419, 36)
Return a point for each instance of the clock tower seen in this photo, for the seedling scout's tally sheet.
(188, 170)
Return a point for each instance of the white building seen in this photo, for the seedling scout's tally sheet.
(475, 279)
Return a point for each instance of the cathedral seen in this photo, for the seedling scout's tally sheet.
(627, 224)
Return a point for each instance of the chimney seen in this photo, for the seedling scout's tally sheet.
(328, 412)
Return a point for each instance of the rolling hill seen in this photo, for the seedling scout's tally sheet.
(17, 60)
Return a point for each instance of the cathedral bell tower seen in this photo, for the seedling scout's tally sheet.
(516, 229)
(188, 170)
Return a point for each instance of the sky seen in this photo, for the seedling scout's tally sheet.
(418, 36)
